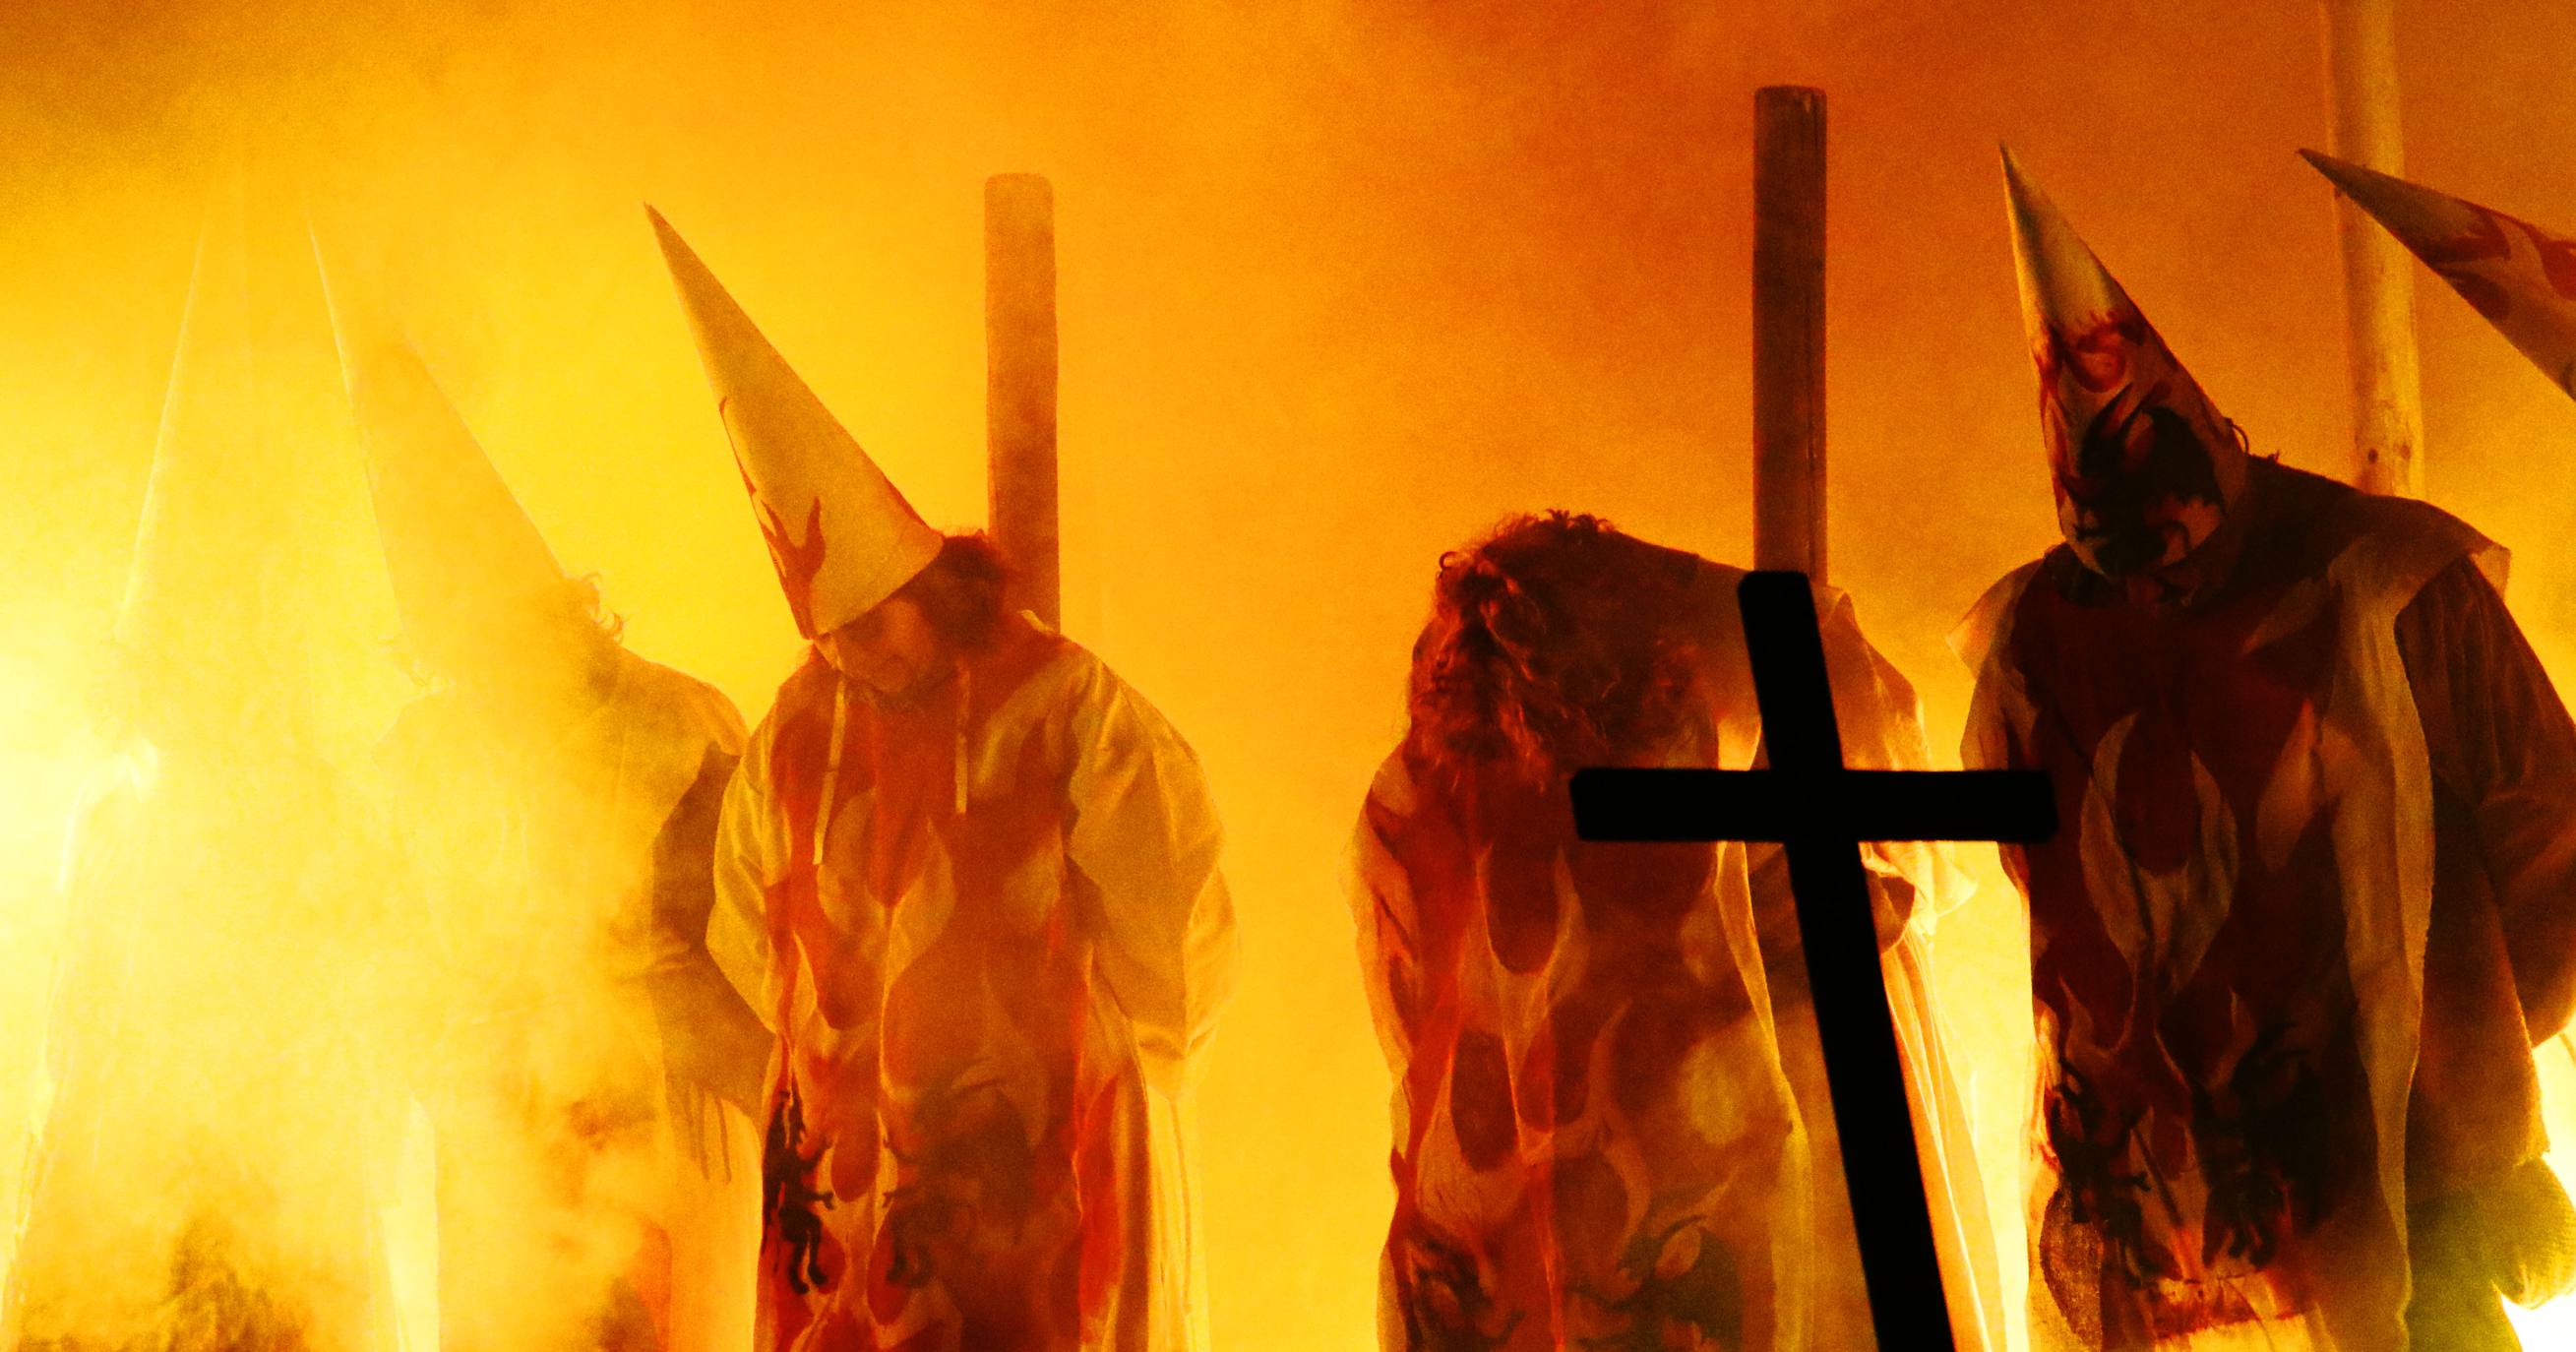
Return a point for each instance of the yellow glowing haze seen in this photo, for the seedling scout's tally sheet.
(1340, 284)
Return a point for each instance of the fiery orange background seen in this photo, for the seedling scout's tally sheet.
(1341, 283)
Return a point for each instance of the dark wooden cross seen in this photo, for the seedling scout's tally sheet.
(1822, 812)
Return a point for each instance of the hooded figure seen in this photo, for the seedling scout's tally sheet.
(222, 1127)
(2144, 467)
(1612, 1124)
(2316, 895)
(970, 876)
(2521, 277)
(558, 798)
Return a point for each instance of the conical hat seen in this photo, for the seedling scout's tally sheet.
(840, 533)
(215, 638)
(458, 547)
(2133, 443)
(188, 591)
(2521, 277)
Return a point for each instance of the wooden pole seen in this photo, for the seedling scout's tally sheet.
(2378, 278)
(1019, 387)
(1789, 329)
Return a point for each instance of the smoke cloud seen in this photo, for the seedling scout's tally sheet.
(1341, 284)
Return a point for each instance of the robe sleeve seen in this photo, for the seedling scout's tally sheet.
(1996, 733)
(747, 856)
(1380, 893)
(1881, 729)
(2502, 741)
(710, 1033)
(1145, 841)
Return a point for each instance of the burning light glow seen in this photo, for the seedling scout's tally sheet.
(1341, 284)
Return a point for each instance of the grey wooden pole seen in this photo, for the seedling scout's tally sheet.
(1789, 329)
(1020, 387)
(2378, 277)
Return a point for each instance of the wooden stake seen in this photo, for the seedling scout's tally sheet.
(1789, 329)
(2378, 277)
(1020, 387)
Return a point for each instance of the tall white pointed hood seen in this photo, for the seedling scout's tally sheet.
(459, 549)
(214, 636)
(203, 511)
(2520, 277)
(842, 536)
(2145, 468)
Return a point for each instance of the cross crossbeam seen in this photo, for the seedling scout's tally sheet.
(1822, 812)
(1780, 807)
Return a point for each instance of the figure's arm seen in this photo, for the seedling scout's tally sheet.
(1144, 836)
(1999, 729)
(1881, 720)
(710, 1034)
(2501, 740)
(747, 850)
(1380, 893)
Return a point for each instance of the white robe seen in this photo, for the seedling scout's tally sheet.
(575, 1157)
(991, 973)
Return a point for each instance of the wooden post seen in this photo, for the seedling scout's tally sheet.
(1019, 387)
(1789, 329)
(2378, 277)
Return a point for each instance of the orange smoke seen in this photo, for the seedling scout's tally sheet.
(1340, 284)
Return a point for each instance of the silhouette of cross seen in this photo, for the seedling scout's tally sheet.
(1821, 812)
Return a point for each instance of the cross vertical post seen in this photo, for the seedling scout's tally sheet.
(1821, 812)
(2378, 277)
(1021, 491)
(1789, 329)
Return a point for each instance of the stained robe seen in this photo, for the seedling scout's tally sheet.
(595, 1187)
(2314, 903)
(988, 928)
(1612, 1128)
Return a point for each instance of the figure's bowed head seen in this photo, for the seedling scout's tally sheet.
(2144, 466)
(905, 646)
(551, 651)
(883, 597)
(1554, 643)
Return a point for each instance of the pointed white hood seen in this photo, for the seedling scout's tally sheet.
(839, 531)
(2144, 466)
(458, 547)
(2520, 277)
